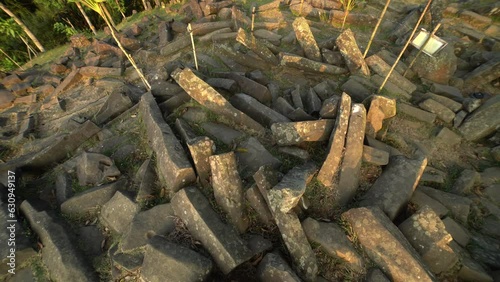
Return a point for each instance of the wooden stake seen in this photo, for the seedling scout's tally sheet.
(8, 57)
(192, 42)
(406, 46)
(422, 48)
(376, 27)
(253, 18)
(301, 4)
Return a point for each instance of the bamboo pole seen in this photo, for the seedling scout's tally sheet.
(89, 23)
(23, 27)
(406, 46)
(422, 48)
(108, 14)
(120, 9)
(192, 42)
(301, 4)
(376, 27)
(8, 57)
(253, 18)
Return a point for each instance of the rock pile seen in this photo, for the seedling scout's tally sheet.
(274, 161)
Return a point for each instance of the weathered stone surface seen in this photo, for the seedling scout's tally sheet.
(252, 88)
(89, 200)
(64, 189)
(274, 268)
(483, 74)
(392, 88)
(287, 193)
(427, 234)
(472, 271)
(350, 168)
(381, 108)
(334, 242)
(204, 28)
(291, 133)
(445, 101)
(329, 108)
(223, 83)
(201, 148)
(441, 111)
(118, 213)
(258, 203)
(483, 121)
(252, 155)
(178, 263)
(179, 43)
(257, 111)
(312, 103)
(458, 206)
(490, 176)
(158, 220)
(60, 255)
(416, 113)
(144, 180)
(446, 136)
(457, 231)
(215, 7)
(485, 250)
(382, 68)
(493, 193)
(221, 132)
(270, 36)
(256, 46)
(172, 164)
(438, 68)
(393, 189)
(352, 55)
(356, 90)
(208, 97)
(228, 189)
(6, 99)
(447, 91)
(420, 199)
(98, 72)
(221, 241)
(465, 182)
(93, 169)
(302, 63)
(385, 245)
(306, 39)
(375, 156)
(331, 165)
(116, 104)
(297, 97)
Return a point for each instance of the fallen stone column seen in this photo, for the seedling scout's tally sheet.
(382, 68)
(352, 55)
(205, 28)
(293, 133)
(306, 39)
(227, 249)
(256, 46)
(208, 97)
(257, 111)
(299, 62)
(483, 121)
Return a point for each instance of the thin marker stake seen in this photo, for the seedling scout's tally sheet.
(376, 27)
(253, 18)
(192, 42)
(422, 48)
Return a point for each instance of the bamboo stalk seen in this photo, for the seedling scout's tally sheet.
(8, 57)
(192, 42)
(94, 31)
(301, 4)
(108, 14)
(376, 27)
(253, 18)
(120, 9)
(422, 48)
(406, 46)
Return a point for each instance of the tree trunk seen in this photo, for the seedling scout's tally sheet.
(86, 17)
(24, 27)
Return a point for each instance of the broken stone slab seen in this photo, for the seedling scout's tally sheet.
(306, 39)
(116, 104)
(433, 175)
(274, 268)
(201, 148)
(256, 110)
(445, 101)
(483, 74)
(458, 206)
(350, 169)
(270, 36)
(420, 199)
(260, 77)
(356, 90)
(286, 194)
(427, 234)
(330, 167)
(179, 263)
(175, 46)
(223, 133)
(394, 188)
(87, 202)
(292, 133)
(208, 97)
(349, 49)
(243, 61)
(215, 7)
(473, 271)
(251, 155)
(298, 62)
(441, 111)
(380, 109)
(98, 72)
(325, 89)
(63, 259)
(466, 182)
(173, 103)
(224, 83)
(297, 97)
(390, 59)
(209, 36)
(447, 91)
(485, 250)
(448, 137)
(252, 88)
(329, 108)
(158, 220)
(283, 107)
(256, 46)
(64, 190)
(312, 103)
(386, 246)
(228, 189)
(382, 68)
(392, 88)
(483, 121)
(332, 58)
(118, 213)
(144, 181)
(258, 203)
(227, 249)
(375, 156)
(334, 242)
(93, 169)
(417, 113)
(490, 176)
(457, 231)
(295, 152)
(172, 164)
(200, 29)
